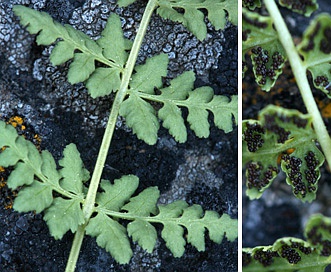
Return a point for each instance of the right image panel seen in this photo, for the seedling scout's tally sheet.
(286, 144)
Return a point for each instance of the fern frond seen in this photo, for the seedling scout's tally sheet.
(316, 53)
(284, 135)
(175, 218)
(141, 116)
(38, 175)
(143, 211)
(293, 254)
(193, 18)
(109, 50)
(25, 157)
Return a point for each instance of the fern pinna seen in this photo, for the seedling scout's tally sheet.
(108, 65)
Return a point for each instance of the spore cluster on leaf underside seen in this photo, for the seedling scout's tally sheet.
(246, 258)
(265, 257)
(293, 165)
(253, 137)
(290, 252)
(258, 179)
(323, 82)
(264, 67)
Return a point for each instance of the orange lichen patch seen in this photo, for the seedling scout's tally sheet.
(9, 206)
(37, 141)
(16, 121)
(2, 182)
(25, 130)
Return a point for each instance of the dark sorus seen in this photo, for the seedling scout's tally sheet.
(253, 136)
(265, 257)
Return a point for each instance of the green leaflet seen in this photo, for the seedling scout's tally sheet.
(23, 174)
(268, 55)
(64, 215)
(110, 235)
(103, 81)
(193, 18)
(140, 230)
(41, 194)
(202, 99)
(114, 45)
(149, 75)
(143, 233)
(110, 50)
(300, 6)
(198, 116)
(284, 135)
(73, 171)
(145, 203)
(172, 233)
(170, 114)
(115, 195)
(49, 168)
(315, 49)
(81, 68)
(141, 116)
(293, 254)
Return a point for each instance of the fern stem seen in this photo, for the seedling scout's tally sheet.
(89, 203)
(299, 72)
(90, 198)
(75, 248)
